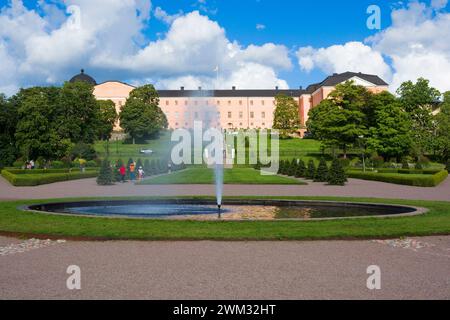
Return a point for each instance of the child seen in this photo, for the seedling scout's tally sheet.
(122, 172)
(141, 173)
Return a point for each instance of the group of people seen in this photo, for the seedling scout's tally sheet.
(132, 170)
(29, 165)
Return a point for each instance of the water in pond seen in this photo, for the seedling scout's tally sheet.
(233, 211)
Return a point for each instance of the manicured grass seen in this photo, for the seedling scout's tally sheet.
(289, 148)
(435, 222)
(231, 176)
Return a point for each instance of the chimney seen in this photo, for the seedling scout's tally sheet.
(200, 88)
(182, 88)
(234, 88)
(276, 88)
(301, 87)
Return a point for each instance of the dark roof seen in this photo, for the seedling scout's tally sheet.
(83, 77)
(336, 78)
(228, 93)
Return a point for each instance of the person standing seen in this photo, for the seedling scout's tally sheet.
(132, 171)
(123, 172)
(141, 173)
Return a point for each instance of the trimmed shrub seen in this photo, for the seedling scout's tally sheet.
(301, 169)
(322, 172)
(35, 179)
(292, 168)
(57, 164)
(337, 176)
(311, 171)
(83, 151)
(418, 166)
(418, 180)
(92, 164)
(377, 161)
(447, 167)
(18, 164)
(105, 176)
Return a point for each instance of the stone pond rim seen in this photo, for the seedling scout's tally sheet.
(386, 210)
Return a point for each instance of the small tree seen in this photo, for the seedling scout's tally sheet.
(105, 177)
(286, 117)
(147, 166)
(337, 174)
(292, 168)
(301, 169)
(311, 172)
(322, 172)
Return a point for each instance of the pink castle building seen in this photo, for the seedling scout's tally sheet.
(234, 108)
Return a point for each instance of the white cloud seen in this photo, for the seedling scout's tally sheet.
(352, 56)
(162, 15)
(43, 49)
(260, 26)
(417, 44)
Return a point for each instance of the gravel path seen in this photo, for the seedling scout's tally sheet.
(355, 188)
(410, 269)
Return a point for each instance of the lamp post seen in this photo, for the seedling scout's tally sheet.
(361, 137)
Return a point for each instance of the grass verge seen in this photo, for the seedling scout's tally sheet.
(13, 221)
(231, 176)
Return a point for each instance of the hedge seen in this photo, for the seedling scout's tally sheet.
(46, 171)
(403, 171)
(35, 179)
(410, 179)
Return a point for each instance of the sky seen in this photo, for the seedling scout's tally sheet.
(250, 44)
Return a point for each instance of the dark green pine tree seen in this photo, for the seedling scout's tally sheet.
(119, 164)
(447, 167)
(301, 169)
(105, 176)
(139, 164)
(282, 167)
(322, 171)
(147, 166)
(153, 168)
(292, 168)
(337, 174)
(311, 171)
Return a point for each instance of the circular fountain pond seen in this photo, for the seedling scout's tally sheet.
(185, 209)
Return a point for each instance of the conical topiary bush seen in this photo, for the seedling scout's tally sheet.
(105, 176)
(337, 174)
(322, 172)
(311, 171)
(301, 169)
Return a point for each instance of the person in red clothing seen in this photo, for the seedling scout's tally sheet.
(122, 172)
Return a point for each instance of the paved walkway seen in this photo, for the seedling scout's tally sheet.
(410, 269)
(355, 188)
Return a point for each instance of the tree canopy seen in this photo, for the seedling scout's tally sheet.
(141, 116)
(286, 117)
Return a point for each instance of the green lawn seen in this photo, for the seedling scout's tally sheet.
(231, 176)
(289, 148)
(13, 221)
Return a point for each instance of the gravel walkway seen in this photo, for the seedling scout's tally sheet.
(410, 269)
(355, 188)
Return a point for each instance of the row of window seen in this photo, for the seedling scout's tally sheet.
(218, 102)
(230, 125)
(207, 115)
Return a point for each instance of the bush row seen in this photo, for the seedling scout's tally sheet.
(21, 180)
(402, 171)
(47, 171)
(418, 180)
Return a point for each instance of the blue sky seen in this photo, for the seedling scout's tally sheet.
(256, 43)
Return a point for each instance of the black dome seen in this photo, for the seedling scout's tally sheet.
(83, 77)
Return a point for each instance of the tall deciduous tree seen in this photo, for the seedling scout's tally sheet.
(77, 116)
(341, 119)
(141, 115)
(418, 100)
(8, 122)
(443, 129)
(36, 133)
(286, 116)
(390, 127)
(107, 117)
